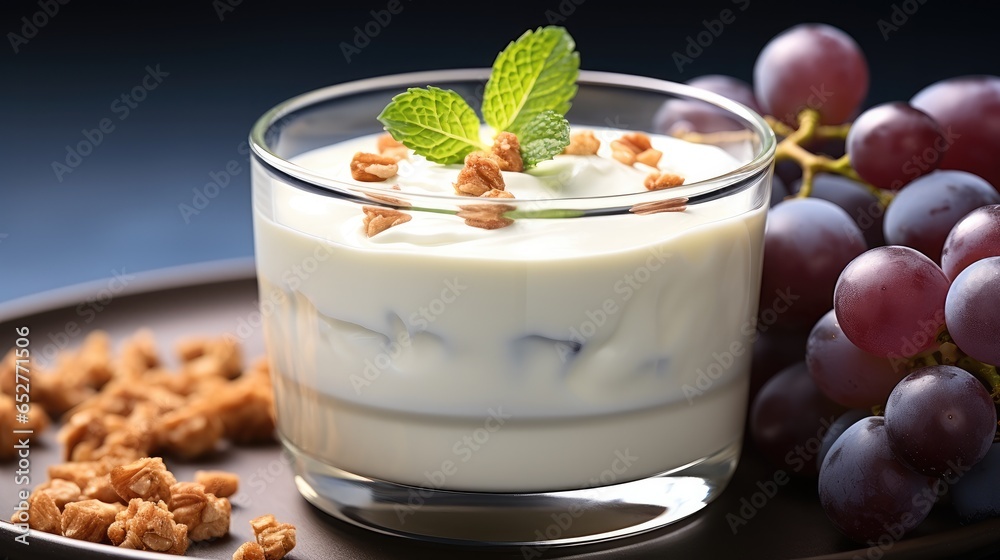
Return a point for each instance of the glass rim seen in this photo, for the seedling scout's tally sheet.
(706, 189)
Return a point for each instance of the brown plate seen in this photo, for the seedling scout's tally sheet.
(221, 298)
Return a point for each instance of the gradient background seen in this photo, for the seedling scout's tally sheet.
(118, 210)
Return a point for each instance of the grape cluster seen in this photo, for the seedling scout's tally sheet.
(884, 232)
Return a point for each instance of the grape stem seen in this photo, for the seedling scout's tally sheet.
(948, 353)
(790, 148)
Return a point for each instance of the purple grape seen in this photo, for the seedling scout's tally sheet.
(890, 302)
(846, 374)
(940, 420)
(892, 144)
(844, 421)
(727, 86)
(968, 110)
(774, 350)
(974, 237)
(806, 245)
(972, 310)
(976, 496)
(811, 66)
(689, 115)
(923, 213)
(778, 191)
(866, 492)
(788, 419)
(855, 199)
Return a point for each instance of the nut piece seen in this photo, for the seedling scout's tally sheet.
(189, 432)
(630, 145)
(147, 478)
(99, 488)
(636, 142)
(89, 520)
(583, 143)
(657, 181)
(379, 219)
(221, 483)
(390, 147)
(650, 157)
(249, 551)
(206, 515)
(43, 515)
(623, 155)
(480, 175)
(372, 168)
(148, 526)
(277, 539)
(246, 410)
(80, 473)
(486, 216)
(494, 193)
(61, 491)
(507, 150)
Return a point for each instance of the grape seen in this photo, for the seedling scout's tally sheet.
(855, 199)
(774, 350)
(778, 191)
(846, 374)
(890, 301)
(689, 115)
(806, 245)
(811, 65)
(788, 420)
(976, 495)
(972, 310)
(839, 426)
(940, 420)
(727, 86)
(892, 144)
(924, 212)
(865, 491)
(968, 110)
(974, 237)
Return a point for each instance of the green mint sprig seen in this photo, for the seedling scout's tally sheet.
(530, 88)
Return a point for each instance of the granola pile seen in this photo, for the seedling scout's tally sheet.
(119, 414)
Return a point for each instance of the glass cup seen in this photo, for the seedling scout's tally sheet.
(579, 375)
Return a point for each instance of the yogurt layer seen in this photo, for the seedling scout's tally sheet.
(529, 358)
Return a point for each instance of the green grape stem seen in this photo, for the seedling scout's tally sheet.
(948, 353)
(790, 148)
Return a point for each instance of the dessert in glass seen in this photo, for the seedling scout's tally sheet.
(551, 355)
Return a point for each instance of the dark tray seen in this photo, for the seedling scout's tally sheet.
(221, 297)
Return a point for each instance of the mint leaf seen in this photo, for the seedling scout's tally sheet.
(435, 123)
(545, 136)
(536, 73)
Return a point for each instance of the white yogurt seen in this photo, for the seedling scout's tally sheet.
(530, 358)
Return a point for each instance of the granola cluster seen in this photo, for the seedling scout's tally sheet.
(481, 176)
(118, 412)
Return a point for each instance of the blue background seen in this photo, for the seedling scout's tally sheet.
(226, 63)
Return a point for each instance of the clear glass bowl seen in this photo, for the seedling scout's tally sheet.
(578, 375)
